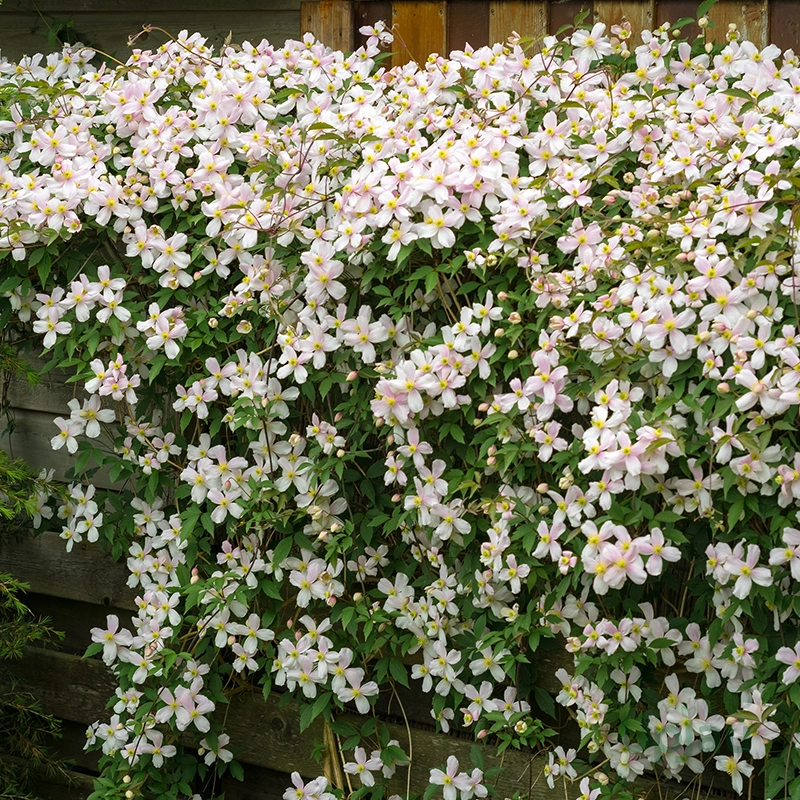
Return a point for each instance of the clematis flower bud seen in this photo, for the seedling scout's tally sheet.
(499, 333)
(358, 597)
(295, 439)
(126, 779)
(543, 488)
(513, 354)
(195, 577)
(514, 318)
(491, 461)
(396, 498)
(502, 296)
(351, 376)
(702, 22)
(213, 322)
(601, 778)
(340, 453)
(521, 726)
(723, 388)
(483, 408)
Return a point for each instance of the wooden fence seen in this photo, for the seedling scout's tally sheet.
(423, 26)
(440, 26)
(78, 589)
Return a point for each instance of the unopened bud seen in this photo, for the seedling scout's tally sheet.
(323, 535)
(513, 354)
(491, 461)
(358, 597)
(543, 488)
(731, 720)
(544, 509)
(340, 453)
(709, 47)
(390, 439)
(352, 376)
(499, 333)
(702, 22)
(213, 322)
(335, 527)
(129, 795)
(482, 734)
(609, 199)
(601, 778)
(289, 623)
(483, 408)
(126, 779)
(521, 726)
(514, 318)
(339, 416)
(231, 640)
(723, 388)
(502, 296)
(201, 751)
(195, 577)
(295, 439)
(396, 498)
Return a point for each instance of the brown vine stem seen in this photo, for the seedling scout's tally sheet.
(333, 758)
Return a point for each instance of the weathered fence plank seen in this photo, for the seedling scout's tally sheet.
(525, 17)
(420, 27)
(467, 23)
(639, 13)
(331, 21)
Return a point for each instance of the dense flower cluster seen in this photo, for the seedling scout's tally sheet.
(446, 361)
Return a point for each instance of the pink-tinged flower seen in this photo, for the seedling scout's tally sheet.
(790, 553)
(156, 748)
(219, 752)
(659, 550)
(734, 766)
(113, 639)
(192, 709)
(790, 657)
(747, 572)
(359, 694)
(363, 766)
(68, 430)
(446, 779)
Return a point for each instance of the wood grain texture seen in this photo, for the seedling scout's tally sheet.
(269, 736)
(640, 14)
(525, 17)
(87, 574)
(750, 17)
(420, 29)
(30, 439)
(784, 24)
(467, 23)
(673, 10)
(64, 8)
(331, 21)
(22, 33)
(563, 12)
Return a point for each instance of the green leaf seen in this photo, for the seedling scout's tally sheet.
(545, 701)
(282, 550)
(398, 671)
(705, 7)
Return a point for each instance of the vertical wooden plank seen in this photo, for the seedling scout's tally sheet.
(673, 10)
(749, 16)
(526, 17)
(640, 14)
(563, 12)
(784, 24)
(331, 21)
(419, 30)
(467, 23)
(368, 12)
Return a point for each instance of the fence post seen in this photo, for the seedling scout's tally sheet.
(331, 21)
